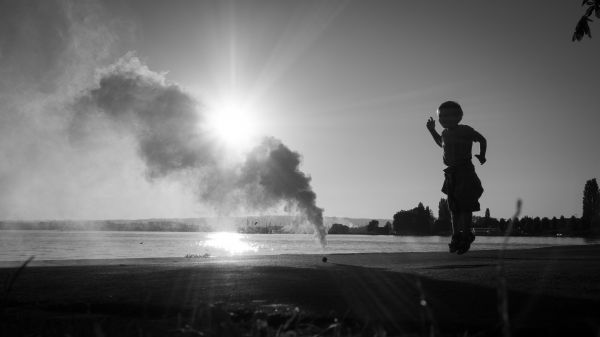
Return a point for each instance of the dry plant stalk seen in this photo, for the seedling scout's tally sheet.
(502, 292)
(11, 278)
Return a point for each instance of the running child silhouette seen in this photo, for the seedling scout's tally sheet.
(461, 183)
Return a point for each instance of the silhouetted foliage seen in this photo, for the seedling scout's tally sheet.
(443, 224)
(387, 228)
(338, 228)
(444, 210)
(502, 225)
(528, 226)
(574, 224)
(373, 226)
(486, 221)
(591, 203)
(562, 223)
(537, 225)
(545, 224)
(488, 225)
(430, 219)
(374, 229)
(417, 221)
(583, 28)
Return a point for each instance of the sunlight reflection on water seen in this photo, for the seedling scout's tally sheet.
(18, 245)
(229, 242)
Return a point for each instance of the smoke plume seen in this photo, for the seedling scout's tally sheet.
(169, 126)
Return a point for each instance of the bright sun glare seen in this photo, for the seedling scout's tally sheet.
(233, 122)
(230, 242)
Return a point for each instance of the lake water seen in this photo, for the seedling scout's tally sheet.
(16, 245)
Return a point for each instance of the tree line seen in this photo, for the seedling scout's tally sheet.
(421, 221)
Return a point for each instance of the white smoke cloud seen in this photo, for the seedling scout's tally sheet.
(49, 51)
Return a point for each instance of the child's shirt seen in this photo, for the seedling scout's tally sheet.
(457, 143)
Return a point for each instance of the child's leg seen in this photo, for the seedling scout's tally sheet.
(454, 244)
(467, 237)
(466, 221)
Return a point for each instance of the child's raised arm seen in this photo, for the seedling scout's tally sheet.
(482, 147)
(431, 127)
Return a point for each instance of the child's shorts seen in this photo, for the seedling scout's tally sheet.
(463, 188)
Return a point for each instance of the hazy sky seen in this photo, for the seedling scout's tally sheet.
(348, 84)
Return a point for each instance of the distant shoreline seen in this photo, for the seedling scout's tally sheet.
(288, 224)
(583, 236)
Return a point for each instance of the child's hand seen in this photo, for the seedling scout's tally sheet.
(430, 124)
(481, 158)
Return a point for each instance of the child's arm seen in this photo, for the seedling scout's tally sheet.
(436, 136)
(482, 147)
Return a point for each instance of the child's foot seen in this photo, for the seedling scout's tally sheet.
(465, 241)
(454, 243)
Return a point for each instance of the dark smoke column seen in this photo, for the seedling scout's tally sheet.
(276, 169)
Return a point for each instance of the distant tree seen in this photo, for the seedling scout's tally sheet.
(583, 28)
(486, 219)
(387, 229)
(526, 225)
(562, 223)
(417, 221)
(546, 224)
(536, 225)
(402, 222)
(420, 209)
(443, 223)
(373, 226)
(430, 219)
(424, 221)
(574, 224)
(591, 203)
(337, 228)
(443, 210)
(554, 223)
(502, 225)
(517, 227)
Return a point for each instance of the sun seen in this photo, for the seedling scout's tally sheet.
(232, 122)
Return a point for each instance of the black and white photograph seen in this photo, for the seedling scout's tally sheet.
(294, 168)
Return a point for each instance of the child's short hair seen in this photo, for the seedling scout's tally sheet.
(451, 108)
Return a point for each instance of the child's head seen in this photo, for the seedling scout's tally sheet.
(449, 114)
